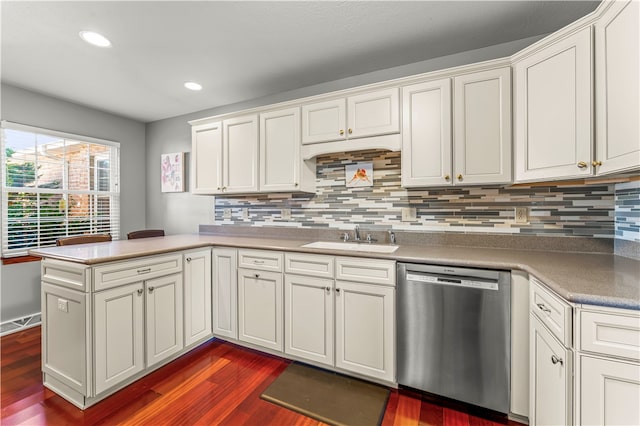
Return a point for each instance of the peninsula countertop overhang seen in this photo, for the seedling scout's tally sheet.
(589, 278)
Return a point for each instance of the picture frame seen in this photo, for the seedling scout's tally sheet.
(358, 175)
(172, 172)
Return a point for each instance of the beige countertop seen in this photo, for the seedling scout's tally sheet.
(589, 278)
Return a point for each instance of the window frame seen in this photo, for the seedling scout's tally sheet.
(113, 193)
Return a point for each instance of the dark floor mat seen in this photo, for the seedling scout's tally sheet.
(328, 397)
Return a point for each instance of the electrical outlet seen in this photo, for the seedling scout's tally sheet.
(286, 214)
(63, 305)
(226, 214)
(521, 215)
(409, 214)
(245, 213)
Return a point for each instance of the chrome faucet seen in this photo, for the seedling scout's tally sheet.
(356, 232)
(392, 237)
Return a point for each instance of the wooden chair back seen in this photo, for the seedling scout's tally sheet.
(145, 233)
(83, 239)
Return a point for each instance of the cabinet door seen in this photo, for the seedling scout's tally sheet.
(197, 296)
(260, 308)
(240, 170)
(426, 134)
(119, 335)
(280, 150)
(609, 392)
(308, 318)
(553, 110)
(550, 377)
(65, 336)
(373, 114)
(482, 127)
(324, 121)
(164, 317)
(365, 336)
(206, 158)
(225, 293)
(617, 87)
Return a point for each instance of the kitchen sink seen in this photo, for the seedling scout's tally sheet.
(362, 247)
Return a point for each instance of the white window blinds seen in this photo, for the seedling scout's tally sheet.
(55, 185)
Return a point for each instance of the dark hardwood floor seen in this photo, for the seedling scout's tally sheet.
(215, 384)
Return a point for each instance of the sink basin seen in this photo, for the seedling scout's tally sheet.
(362, 247)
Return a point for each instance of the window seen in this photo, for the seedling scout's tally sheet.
(55, 185)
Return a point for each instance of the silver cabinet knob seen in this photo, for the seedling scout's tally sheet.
(140, 291)
(543, 308)
(151, 289)
(556, 360)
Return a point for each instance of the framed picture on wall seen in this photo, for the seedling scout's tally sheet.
(358, 174)
(172, 172)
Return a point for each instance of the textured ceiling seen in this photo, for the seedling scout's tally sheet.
(242, 50)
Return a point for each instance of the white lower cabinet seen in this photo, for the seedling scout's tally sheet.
(118, 326)
(224, 292)
(123, 333)
(197, 295)
(260, 308)
(164, 316)
(365, 338)
(551, 377)
(608, 369)
(609, 392)
(308, 317)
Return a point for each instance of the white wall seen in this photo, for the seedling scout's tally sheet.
(184, 212)
(20, 283)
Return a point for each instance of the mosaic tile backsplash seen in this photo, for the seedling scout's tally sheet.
(584, 210)
(627, 211)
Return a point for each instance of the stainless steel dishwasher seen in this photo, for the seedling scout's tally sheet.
(454, 333)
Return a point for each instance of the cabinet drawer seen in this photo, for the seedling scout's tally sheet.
(119, 273)
(263, 260)
(371, 271)
(309, 264)
(66, 274)
(552, 311)
(610, 334)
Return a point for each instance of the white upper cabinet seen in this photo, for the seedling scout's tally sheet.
(368, 114)
(482, 127)
(206, 158)
(240, 148)
(426, 134)
(553, 92)
(617, 88)
(324, 121)
(225, 156)
(479, 151)
(281, 164)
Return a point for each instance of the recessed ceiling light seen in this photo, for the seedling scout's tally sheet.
(95, 38)
(191, 85)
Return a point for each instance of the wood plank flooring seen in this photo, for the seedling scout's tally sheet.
(215, 384)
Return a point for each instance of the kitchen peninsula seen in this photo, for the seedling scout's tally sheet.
(113, 312)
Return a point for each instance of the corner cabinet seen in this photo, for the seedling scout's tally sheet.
(617, 68)
(281, 165)
(553, 123)
(471, 147)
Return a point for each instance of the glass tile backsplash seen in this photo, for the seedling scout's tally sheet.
(598, 210)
